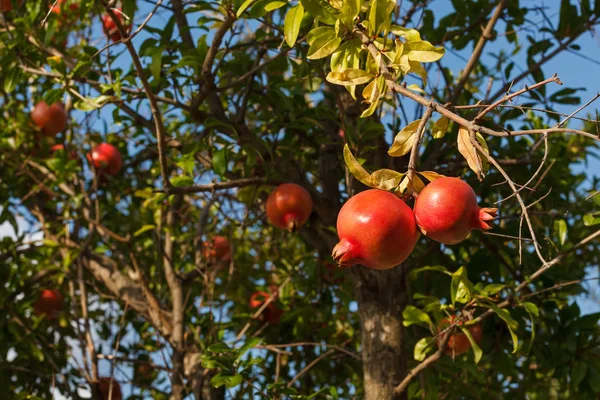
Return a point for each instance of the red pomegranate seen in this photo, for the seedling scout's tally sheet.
(61, 147)
(106, 158)
(458, 343)
(376, 229)
(110, 27)
(218, 249)
(289, 206)
(272, 314)
(61, 8)
(50, 304)
(6, 5)
(446, 211)
(109, 389)
(50, 119)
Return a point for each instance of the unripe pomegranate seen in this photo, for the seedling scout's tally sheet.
(218, 249)
(109, 387)
(289, 206)
(50, 119)
(49, 304)
(446, 211)
(110, 27)
(459, 343)
(106, 158)
(376, 229)
(272, 314)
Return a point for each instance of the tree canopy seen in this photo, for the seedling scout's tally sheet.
(142, 145)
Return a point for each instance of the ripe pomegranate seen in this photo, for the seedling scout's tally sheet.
(459, 343)
(272, 314)
(50, 119)
(110, 27)
(108, 386)
(376, 229)
(218, 249)
(106, 158)
(446, 211)
(289, 206)
(49, 304)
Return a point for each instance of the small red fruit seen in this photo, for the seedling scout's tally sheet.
(109, 389)
(459, 343)
(446, 211)
(50, 119)
(218, 249)
(110, 27)
(61, 147)
(272, 314)
(49, 304)
(106, 158)
(61, 7)
(376, 229)
(289, 206)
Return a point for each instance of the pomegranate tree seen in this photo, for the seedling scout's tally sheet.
(272, 313)
(376, 229)
(218, 249)
(459, 343)
(51, 119)
(50, 304)
(289, 206)
(446, 211)
(106, 158)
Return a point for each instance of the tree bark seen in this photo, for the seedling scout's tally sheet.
(381, 297)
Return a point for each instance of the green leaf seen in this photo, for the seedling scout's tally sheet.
(350, 10)
(492, 289)
(228, 381)
(219, 347)
(591, 219)
(460, 287)
(321, 9)
(440, 128)
(378, 17)
(333, 393)
(53, 95)
(560, 229)
(533, 312)
(219, 161)
(412, 315)
(156, 54)
(423, 51)
(355, 168)
(182, 180)
(508, 319)
(274, 5)
(11, 79)
(404, 140)
(291, 26)
(578, 372)
(92, 103)
(250, 343)
(437, 268)
(82, 68)
(474, 346)
(243, 7)
(143, 229)
(423, 347)
(594, 378)
(323, 43)
(349, 77)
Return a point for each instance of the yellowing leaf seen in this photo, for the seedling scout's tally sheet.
(355, 168)
(423, 51)
(411, 35)
(440, 128)
(416, 185)
(404, 140)
(416, 88)
(468, 151)
(349, 77)
(386, 179)
(430, 175)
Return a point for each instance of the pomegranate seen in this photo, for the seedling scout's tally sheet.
(446, 211)
(110, 27)
(50, 119)
(459, 343)
(289, 206)
(376, 229)
(218, 249)
(5, 5)
(49, 304)
(106, 158)
(72, 155)
(109, 389)
(272, 314)
(61, 8)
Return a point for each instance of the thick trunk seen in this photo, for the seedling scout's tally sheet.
(381, 297)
